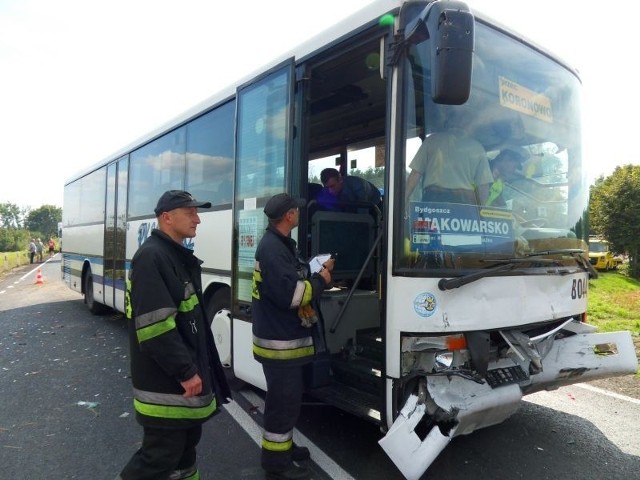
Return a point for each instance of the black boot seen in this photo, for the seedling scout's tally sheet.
(293, 472)
(300, 453)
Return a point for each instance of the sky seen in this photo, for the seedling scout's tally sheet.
(81, 79)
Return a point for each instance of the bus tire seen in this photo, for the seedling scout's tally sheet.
(96, 308)
(219, 316)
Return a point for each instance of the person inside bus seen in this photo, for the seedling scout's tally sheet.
(339, 191)
(451, 166)
(505, 168)
(283, 295)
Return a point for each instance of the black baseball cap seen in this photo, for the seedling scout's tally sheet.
(281, 203)
(172, 199)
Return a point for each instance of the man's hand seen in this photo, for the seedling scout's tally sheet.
(325, 271)
(192, 387)
(329, 264)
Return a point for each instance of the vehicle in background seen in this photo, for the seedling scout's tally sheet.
(601, 256)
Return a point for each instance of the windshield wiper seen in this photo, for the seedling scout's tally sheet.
(451, 283)
(502, 266)
(511, 263)
(576, 253)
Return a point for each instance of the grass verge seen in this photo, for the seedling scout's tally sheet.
(614, 304)
(10, 260)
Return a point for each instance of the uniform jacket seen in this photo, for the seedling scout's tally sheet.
(170, 337)
(280, 287)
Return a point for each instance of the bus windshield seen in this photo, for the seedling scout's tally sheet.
(499, 177)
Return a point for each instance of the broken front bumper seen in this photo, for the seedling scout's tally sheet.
(472, 405)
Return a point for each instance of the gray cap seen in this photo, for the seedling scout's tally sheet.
(281, 203)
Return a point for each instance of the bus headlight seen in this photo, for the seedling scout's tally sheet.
(444, 360)
(433, 354)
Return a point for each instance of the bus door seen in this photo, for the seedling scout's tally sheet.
(343, 127)
(115, 234)
(263, 168)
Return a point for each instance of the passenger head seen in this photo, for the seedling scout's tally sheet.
(331, 180)
(507, 163)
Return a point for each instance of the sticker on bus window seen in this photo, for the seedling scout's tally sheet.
(437, 227)
(521, 99)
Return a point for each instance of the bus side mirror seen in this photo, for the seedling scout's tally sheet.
(452, 41)
(450, 27)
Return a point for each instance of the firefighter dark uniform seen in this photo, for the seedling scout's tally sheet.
(280, 340)
(170, 342)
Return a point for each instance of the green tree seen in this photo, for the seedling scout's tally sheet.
(613, 208)
(11, 216)
(13, 240)
(44, 219)
(373, 175)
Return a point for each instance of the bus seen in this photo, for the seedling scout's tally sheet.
(443, 313)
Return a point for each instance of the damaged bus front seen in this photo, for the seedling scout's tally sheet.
(487, 294)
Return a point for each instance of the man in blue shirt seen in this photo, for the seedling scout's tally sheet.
(345, 190)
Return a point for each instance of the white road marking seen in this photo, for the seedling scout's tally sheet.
(608, 393)
(321, 459)
(245, 421)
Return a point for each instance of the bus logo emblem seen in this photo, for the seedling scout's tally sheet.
(425, 304)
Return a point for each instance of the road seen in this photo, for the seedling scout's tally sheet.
(66, 412)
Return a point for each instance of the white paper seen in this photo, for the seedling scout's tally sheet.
(315, 264)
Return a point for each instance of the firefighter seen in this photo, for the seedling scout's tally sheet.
(283, 293)
(178, 381)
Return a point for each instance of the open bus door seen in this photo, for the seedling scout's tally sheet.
(263, 169)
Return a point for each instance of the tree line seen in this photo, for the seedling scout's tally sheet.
(614, 206)
(19, 225)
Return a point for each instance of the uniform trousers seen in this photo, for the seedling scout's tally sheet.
(165, 453)
(285, 386)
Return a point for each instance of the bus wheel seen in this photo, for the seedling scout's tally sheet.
(94, 307)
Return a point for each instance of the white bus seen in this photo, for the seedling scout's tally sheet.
(443, 313)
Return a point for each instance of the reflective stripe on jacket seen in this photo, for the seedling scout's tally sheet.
(169, 336)
(280, 286)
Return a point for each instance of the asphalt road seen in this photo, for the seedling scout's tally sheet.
(66, 412)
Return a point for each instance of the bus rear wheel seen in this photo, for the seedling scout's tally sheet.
(94, 307)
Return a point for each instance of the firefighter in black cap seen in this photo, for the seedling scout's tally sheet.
(282, 340)
(178, 381)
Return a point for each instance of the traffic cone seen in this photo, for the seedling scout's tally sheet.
(39, 279)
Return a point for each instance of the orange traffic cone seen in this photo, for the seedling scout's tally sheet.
(39, 279)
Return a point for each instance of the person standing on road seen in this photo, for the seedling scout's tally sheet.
(32, 250)
(52, 247)
(282, 338)
(178, 381)
(39, 249)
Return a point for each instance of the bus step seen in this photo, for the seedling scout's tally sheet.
(369, 344)
(360, 373)
(357, 402)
